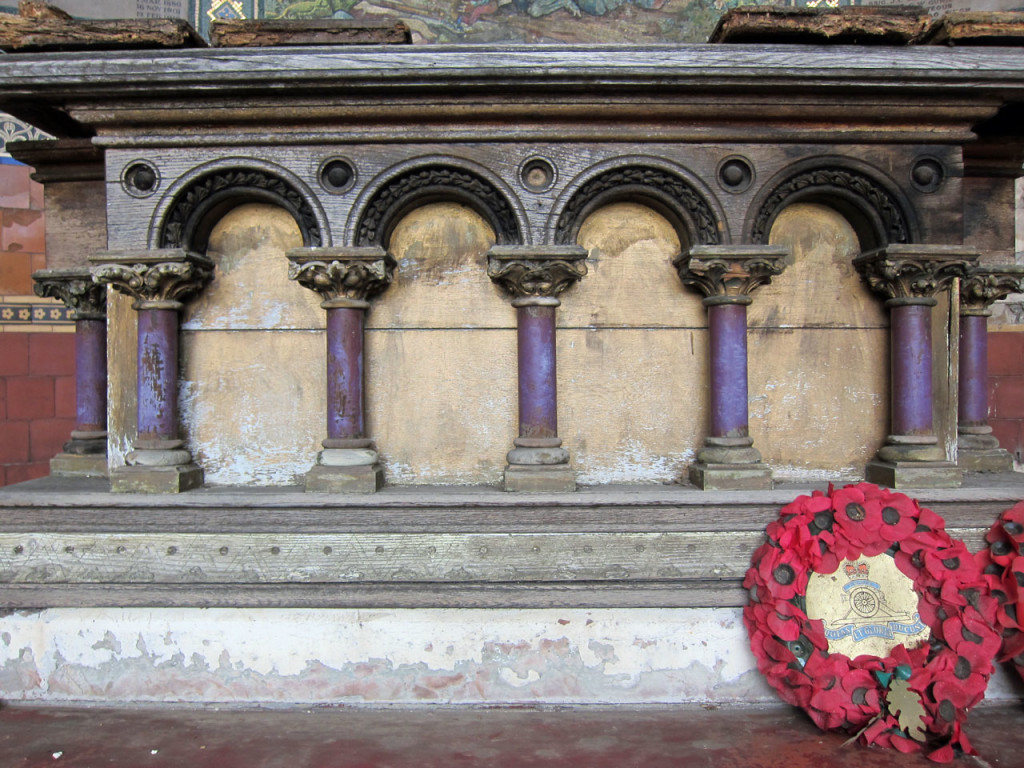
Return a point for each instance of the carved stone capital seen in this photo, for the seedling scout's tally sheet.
(914, 271)
(169, 276)
(536, 270)
(987, 284)
(730, 270)
(74, 287)
(354, 274)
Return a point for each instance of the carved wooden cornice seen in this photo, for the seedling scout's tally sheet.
(76, 288)
(339, 274)
(56, 160)
(166, 276)
(536, 271)
(982, 286)
(745, 91)
(914, 272)
(730, 270)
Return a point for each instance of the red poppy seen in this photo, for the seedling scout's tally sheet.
(899, 517)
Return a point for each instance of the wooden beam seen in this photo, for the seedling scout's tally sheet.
(248, 33)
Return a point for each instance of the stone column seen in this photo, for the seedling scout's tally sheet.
(977, 449)
(85, 455)
(346, 278)
(727, 275)
(909, 277)
(535, 276)
(159, 281)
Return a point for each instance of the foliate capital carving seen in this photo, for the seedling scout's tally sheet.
(74, 287)
(355, 274)
(536, 270)
(914, 271)
(730, 270)
(983, 286)
(169, 276)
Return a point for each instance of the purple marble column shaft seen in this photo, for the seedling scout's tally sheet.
(538, 410)
(911, 334)
(727, 327)
(91, 375)
(158, 374)
(345, 373)
(973, 384)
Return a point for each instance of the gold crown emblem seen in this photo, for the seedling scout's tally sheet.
(857, 570)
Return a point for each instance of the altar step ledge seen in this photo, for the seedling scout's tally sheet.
(72, 543)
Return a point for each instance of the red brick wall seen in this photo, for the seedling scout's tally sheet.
(37, 361)
(1006, 389)
(22, 235)
(37, 402)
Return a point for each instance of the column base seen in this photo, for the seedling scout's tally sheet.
(913, 474)
(79, 465)
(362, 478)
(731, 477)
(142, 478)
(539, 478)
(990, 460)
(978, 451)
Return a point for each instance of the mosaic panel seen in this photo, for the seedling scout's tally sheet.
(12, 129)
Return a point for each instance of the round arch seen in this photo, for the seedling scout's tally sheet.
(435, 182)
(201, 201)
(875, 208)
(665, 190)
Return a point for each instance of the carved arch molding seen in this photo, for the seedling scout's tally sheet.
(195, 208)
(203, 201)
(881, 217)
(419, 186)
(669, 194)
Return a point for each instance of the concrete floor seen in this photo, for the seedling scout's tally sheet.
(583, 737)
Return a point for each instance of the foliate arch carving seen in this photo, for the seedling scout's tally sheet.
(670, 194)
(876, 215)
(198, 207)
(435, 183)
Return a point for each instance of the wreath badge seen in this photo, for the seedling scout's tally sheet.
(866, 614)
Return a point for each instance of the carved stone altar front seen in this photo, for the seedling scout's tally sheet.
(445, 166)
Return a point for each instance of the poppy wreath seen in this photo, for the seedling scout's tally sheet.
(1002, 563)
(914, 699)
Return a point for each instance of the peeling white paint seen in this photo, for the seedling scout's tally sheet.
(307, 656)
(384, 656)
(633, 463)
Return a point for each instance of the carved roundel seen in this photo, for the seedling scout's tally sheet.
(199, 206)
(853, 193)
(337, 175)
(669, 194)
(424, 185)
(735, 174)
(140, 178)
(927, 174)
(538, 174)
